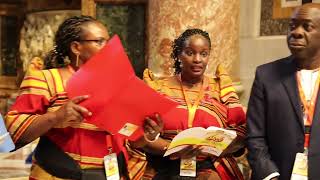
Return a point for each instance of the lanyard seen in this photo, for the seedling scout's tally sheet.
(109, 143)
(308, 106)
(192, 108)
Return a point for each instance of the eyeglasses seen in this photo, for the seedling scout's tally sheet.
(100, 42)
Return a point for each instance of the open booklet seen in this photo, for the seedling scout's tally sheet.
(213, 139)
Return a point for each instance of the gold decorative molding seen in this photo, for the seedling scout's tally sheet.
(11, 10)
(8, 82)
(89, 7)
(281, 12)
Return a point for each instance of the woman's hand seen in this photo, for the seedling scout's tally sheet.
(71, 111)
(152, 127)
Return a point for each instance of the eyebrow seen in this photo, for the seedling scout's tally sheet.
(296, 19)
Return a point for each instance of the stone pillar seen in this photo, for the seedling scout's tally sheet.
(42, 19)
(168, 19)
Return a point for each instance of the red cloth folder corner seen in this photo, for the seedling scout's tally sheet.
(117, 96)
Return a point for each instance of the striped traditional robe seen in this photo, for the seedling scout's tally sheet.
(44, 91)
(219, 107)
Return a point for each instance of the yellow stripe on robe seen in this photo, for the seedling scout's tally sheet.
(32, 82)
(58, 80)
(227, 90)
(86, 162)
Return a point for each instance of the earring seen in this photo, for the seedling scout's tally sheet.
(66, 60)
(180, 63)
(77, 61)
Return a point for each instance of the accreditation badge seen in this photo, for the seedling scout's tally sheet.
(128, 129)
(188, 167)
(300, 167)
(111, 167)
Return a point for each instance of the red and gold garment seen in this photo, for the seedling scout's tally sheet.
(44, 91)
(219, 107)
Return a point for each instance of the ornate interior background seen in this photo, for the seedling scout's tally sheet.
(128, 21)
(270, 26)
(168, 19)
(37, 33)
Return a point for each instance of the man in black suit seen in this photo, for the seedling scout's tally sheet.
(284, 106)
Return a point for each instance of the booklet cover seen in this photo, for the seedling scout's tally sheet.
(119, 101)
(6, 144)
(215, 140)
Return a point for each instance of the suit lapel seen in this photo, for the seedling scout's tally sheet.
(290, 83)
(316, 115)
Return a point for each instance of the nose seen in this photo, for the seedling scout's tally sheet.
(297, 33)
(197, 58)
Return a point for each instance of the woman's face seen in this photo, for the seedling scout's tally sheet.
(94, 37)
(194, 56)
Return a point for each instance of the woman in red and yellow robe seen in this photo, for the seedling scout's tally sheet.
(43, 98)
(219, 107)
(204, 102)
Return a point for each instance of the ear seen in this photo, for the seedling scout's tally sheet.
(75, 47)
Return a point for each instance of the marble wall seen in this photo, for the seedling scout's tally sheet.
(268, 25)
(254, 48)
(37, 33)
(168, 19)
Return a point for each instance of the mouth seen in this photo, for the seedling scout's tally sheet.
(196, 68)
(296, 45)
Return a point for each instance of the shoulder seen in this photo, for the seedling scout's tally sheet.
(155, 82)
(275, 65)
(33, 77)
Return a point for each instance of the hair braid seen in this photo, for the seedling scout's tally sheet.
(69, 31)
(179, 44)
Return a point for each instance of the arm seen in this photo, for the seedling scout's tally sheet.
(158, 146)
(69, 112)
(151, 142)
(258, 155)
(236, 117)
(28, 118)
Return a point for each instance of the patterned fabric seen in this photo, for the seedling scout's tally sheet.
(219, 107)
(44, 91)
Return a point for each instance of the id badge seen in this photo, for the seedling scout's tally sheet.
(128, 129)
(111, 167)
(300, 167)
(188, 167)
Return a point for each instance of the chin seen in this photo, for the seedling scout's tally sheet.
(298, 54)
(197, 74)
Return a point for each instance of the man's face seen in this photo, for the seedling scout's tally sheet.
(304, 32)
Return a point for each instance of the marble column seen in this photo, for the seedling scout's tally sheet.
(168, 19)
(38, 31)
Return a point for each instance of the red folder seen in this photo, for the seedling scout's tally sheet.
(117, 96)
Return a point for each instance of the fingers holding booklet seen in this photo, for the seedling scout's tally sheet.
(213, 141)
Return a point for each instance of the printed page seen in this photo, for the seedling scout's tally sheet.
(214, 140)
(217, 140)
(191, 136)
